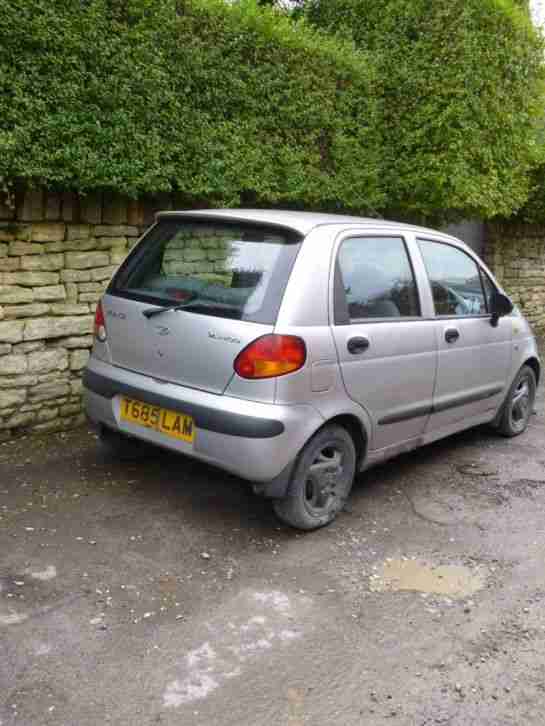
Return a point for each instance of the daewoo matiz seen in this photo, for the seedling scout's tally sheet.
(296, 349)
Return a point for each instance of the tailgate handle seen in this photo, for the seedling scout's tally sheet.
(451, 335)
(357, 345)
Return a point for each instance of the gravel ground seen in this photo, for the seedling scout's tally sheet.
(164, 592)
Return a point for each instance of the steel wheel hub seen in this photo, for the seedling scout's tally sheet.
(324, 476)
(520, 404)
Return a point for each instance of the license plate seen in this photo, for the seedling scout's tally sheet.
(170, 423)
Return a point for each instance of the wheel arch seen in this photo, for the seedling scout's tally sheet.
(535, 365)
(356, 430)
(277, 487)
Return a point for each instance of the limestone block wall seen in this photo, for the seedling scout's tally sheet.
(201, 253)
(516, 255)
(57, 253)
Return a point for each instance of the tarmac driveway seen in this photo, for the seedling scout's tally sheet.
(164, 592)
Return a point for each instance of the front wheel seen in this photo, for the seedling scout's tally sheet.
(519, 404)
(321, 481)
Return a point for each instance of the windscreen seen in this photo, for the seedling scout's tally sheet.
(236, 271)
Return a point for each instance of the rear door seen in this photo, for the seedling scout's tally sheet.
(387, 350)
(228, 280)
(474, 357)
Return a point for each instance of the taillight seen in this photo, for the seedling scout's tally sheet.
(271, 356)
(100, 324)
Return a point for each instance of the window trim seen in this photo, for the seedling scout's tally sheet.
(341, 314)
(475, 316)
(485, 275)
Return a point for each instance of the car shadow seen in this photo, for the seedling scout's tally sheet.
(166, 483)
(451, 450)
(209, 498)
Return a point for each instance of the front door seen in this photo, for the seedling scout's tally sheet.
(474, 356)
(387, 351)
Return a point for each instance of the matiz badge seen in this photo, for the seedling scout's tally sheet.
(225, 338)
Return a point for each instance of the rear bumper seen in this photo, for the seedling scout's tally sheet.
(254, 440)
(205, 417)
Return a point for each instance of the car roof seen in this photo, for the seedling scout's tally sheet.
(302, 222)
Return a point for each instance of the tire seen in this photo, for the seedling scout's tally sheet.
(321, 481)
(115, 445)
(519, 404)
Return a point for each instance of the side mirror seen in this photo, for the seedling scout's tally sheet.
(501, 305)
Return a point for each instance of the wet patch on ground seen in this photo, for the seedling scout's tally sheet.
(456, 581)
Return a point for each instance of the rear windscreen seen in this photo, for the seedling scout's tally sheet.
(234, 271)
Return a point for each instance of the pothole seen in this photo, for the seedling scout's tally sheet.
(476, 469)
(413, 575)
(525, 487)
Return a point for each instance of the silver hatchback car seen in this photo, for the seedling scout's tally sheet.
(296, 349)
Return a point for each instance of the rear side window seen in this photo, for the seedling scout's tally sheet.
(377, 278)
(233, 271)
(455, 280)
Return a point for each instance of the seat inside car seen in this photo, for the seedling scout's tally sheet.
(369, 288)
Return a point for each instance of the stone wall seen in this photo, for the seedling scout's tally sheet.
(57, 253)
(516, 255)
(202, 254)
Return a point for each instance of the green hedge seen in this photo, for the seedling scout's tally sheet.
(226, 103)
(221, 103)
(462, 85)
(533, 212)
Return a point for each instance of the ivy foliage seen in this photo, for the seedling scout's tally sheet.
(461, 86)
(223, 103)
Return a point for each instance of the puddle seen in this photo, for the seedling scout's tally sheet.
(417, 576)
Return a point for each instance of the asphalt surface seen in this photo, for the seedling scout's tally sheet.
(164, 592)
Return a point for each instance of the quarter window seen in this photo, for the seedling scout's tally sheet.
(455, 280)
(377, 278)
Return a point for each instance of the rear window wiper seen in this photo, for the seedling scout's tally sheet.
(150, 312)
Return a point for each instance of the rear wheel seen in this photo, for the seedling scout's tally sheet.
(519, 404)
(321, 481)
(116, 445)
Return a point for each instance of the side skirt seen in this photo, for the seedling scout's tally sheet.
(378, 456)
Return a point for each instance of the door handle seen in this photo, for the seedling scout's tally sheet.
(452, 335)
(357, 345)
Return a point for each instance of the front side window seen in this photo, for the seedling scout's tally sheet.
(455, 280)
(377, 278)
(236, 271)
